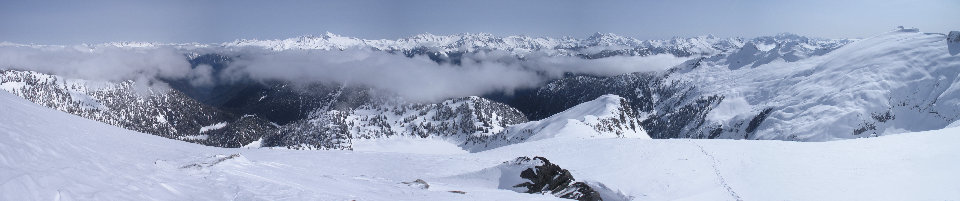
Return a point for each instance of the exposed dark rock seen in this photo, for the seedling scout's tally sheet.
(755, 122)
(419, 183)
(546, 177)
(883, 117)
(953, 42)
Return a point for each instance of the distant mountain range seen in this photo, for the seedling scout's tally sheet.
(783, 87)
(595, 46)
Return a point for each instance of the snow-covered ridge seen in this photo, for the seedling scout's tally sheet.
(608, 116)
(596, 45)
(472, 123)
(895, 82)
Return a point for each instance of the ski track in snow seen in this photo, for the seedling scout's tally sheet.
(716, 169)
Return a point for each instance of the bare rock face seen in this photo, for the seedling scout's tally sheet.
(419, 183)
(953, 42)
(545, 177)
(953, 37)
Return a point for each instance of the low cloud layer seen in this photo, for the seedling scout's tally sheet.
(105, 63)
(608, 66)
(416, 78)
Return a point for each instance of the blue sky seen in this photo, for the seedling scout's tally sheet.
(74, 22)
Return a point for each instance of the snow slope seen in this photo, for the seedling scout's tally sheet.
(915, 166)
(48, 155)
(895, 82)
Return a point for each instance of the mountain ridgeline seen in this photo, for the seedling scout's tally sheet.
(783, 87)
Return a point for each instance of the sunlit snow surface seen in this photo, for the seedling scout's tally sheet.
(49, 155)
(904, 74)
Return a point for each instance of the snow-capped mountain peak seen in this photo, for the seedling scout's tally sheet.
(608, 116)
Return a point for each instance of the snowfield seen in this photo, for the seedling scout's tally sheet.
(49, 155)
(900, 81)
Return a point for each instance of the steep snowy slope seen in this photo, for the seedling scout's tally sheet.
(896, 82)
(47, 154)
(129, 104)
(609, 116)
(667, 109)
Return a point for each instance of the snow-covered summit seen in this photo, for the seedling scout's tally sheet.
(609, 116)
(328, 41)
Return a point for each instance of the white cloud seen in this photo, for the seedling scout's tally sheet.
(101, 63)
(201, 75)
(417, 78)
(607, 66)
